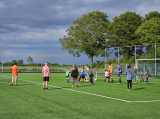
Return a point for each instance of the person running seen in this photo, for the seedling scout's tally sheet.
(142, 77)
(45, 75)
(110, 72)
(91, 77)
(14, 74)
(119, 71)
(135, 74)
(147, 77)
(130, 75)
(106, 76)
(67, 75)
(74, 74)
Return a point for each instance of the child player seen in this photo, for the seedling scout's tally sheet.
(83, 76)
(147, 77)
(67, 75)
(91, 77)
(142, 76)
(106, 76)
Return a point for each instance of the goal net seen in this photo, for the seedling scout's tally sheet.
(150, 65)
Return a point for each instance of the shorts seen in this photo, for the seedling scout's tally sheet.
(108, 77)
(67, 76)
(14, 77)
(45, 78)
(83, 77)
(119, 75)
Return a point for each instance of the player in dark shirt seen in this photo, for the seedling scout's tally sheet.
(91, 77)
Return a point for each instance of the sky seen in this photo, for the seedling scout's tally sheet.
(33, 27)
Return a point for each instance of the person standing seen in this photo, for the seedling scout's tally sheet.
(147, 77)
(45, 75)
(110, 72)
(74, 74)
(14, 74)
(119, 71)
(67, 75)
(130, 75)
(91, 77)
(135, 74)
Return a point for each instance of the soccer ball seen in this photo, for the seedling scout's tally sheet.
(95, 79)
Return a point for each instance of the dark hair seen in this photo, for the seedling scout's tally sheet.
(129, 66)
(15, 63)
(109, 63)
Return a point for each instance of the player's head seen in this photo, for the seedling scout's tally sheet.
(135, 67)
(118, 65)
(129, 66)
(147, 71)
(105, 70)
(15, 63)
(109, 63)
(90, 72)
(74, 65)
(46, 63)
(67, 68)
(141, 72)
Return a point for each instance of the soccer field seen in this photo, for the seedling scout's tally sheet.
(61, 101)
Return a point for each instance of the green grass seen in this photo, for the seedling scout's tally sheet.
(30, 101)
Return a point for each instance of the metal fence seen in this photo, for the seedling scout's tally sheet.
(150, 67)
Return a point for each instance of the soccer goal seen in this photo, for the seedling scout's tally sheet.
(150, 65)
(1, 60)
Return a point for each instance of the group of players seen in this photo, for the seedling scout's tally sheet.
(84, 75)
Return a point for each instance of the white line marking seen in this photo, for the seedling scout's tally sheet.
(89, 93)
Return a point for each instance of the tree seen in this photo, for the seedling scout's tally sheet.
(121, 33)
(29, 59)
(20, 62)
(151, 15)
(87, 35)
(149, 32)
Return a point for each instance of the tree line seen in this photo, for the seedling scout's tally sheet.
(92, 33)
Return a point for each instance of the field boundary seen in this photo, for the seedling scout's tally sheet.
(88, 93)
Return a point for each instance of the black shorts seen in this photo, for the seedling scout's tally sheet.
(67, 76)
(83, 77)
(108, 77)
(119, 75)
(45, 78)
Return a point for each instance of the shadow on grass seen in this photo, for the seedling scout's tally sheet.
(72, 87)
(139, 88)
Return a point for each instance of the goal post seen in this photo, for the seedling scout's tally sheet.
(2, 62)
(147, 65)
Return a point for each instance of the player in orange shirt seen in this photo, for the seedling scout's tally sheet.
(110, 72)
(14, 74)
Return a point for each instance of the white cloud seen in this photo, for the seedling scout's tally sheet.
(147, 7)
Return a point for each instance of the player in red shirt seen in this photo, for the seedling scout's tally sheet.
(45, 75)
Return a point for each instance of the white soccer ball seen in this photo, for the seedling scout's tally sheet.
(95, 79)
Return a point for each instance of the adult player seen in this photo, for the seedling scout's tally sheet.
(45, 75)
(110, 71)
(119, 71)
(14, 74)
(74, 74)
